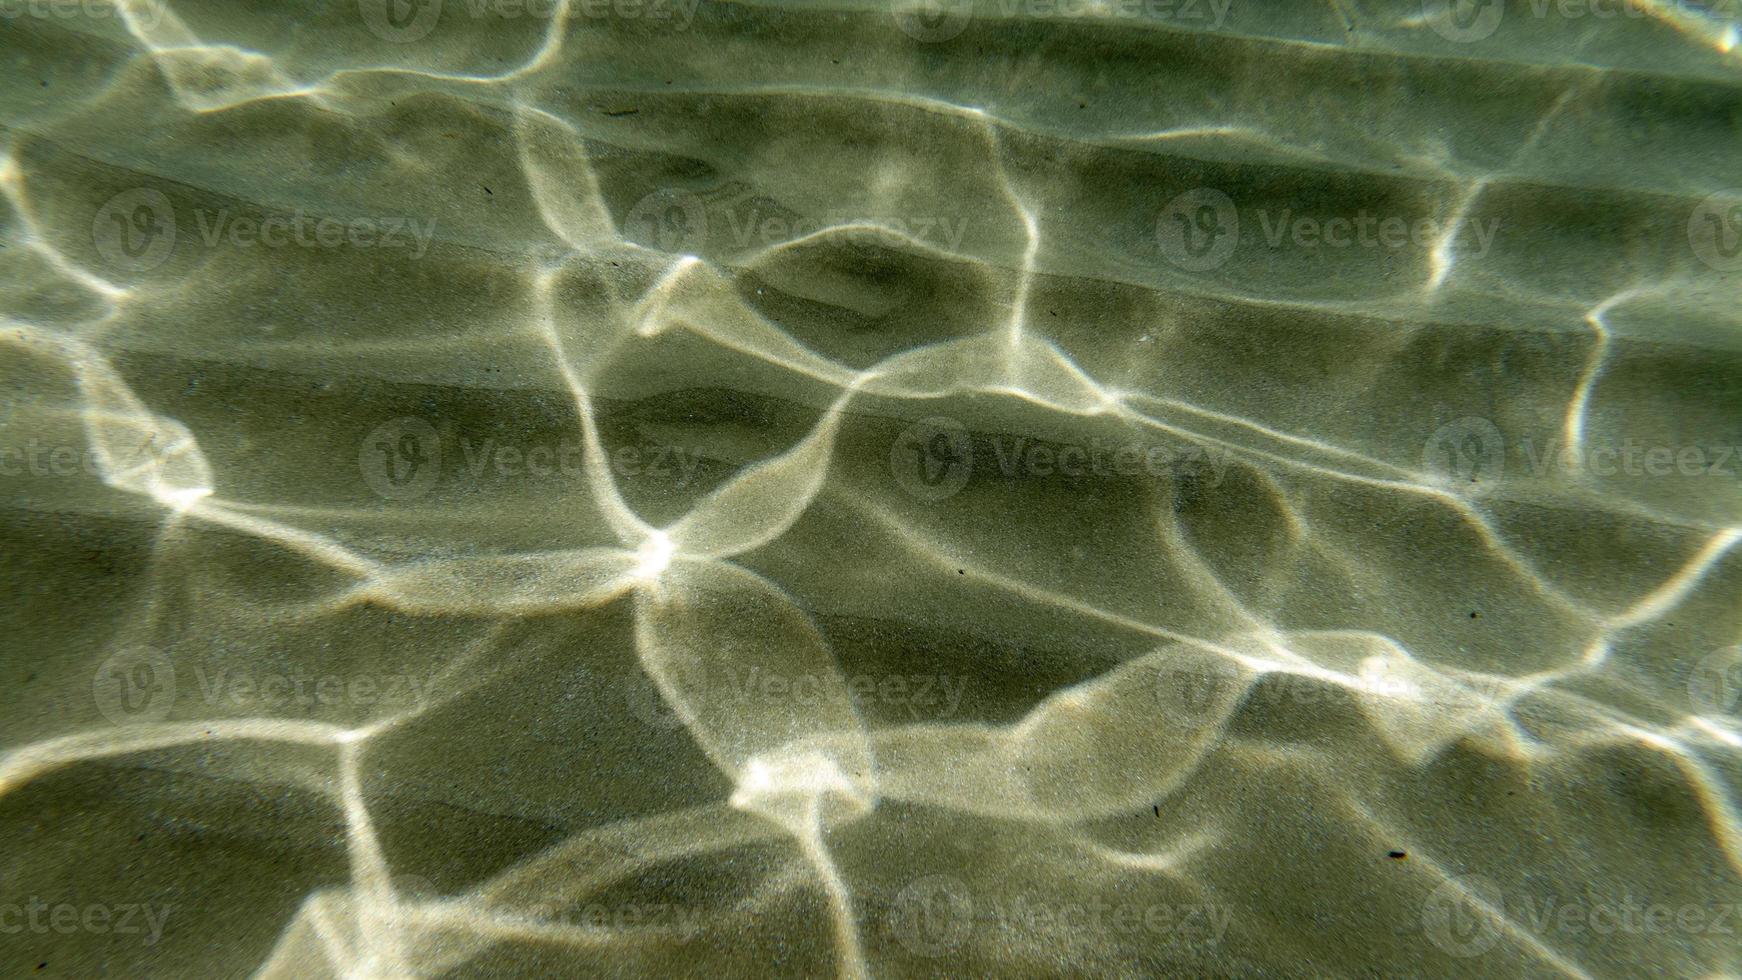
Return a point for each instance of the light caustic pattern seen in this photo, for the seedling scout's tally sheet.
(1398, 655)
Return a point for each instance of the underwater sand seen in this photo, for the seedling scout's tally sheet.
(498, 488)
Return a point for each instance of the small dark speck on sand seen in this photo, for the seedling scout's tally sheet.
(1397, 855)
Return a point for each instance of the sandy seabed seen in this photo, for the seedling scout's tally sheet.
(692, 488)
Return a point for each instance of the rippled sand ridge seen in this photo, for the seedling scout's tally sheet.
(1032, 488)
